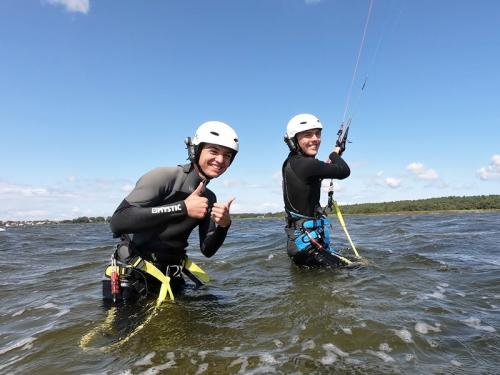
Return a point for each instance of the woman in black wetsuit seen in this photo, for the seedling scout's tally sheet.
(306, 225)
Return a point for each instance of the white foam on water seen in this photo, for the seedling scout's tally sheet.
(18, 344)
(170, 356)
(435, 294)
(271, 256)
(202, 368)
(424, 328)
(476, 323)
(243, 361)
(146, 360)
(383, 356)
(444, 285)
(461, 294)
(441, 289)
(409, 357)
(303, 327)
(432, 343)
(48, 305)
(278, 343)
(158, 369)
(385, 347)
(268, 359)
(404, 335)
(347, 331)
(308, 345)
(403, 293)
(328, 359)
(295, 339)
(353, 361)
(203, 354)
(125, 372)
(493, 306)
(228, 348)
(20, 312)
(332, 348)
(456, 363)
(363, 324)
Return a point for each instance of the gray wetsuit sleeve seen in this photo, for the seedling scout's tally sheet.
(145, 206)
(211, 236)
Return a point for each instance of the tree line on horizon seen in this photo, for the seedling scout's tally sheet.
(451, 203)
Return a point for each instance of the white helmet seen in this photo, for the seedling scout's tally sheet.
(302, 122)
(217, 133)
(214, 132)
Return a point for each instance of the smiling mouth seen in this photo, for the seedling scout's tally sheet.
(216, 168)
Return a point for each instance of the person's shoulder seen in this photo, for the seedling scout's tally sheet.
(165, 170)
(160, 175)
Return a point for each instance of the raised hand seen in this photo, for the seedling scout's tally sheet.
(197, 205)
(220, 213)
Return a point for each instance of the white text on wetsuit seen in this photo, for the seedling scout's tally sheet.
(161, 210)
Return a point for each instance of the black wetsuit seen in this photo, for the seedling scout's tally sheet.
(302, 177)
(155, 213)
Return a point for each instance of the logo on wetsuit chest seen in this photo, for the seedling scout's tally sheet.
(161, 210)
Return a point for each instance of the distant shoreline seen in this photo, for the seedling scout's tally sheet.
(470, 204)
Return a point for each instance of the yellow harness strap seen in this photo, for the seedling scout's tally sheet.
(190, 268)
(342, 223)
(194, 272)
(152, 270)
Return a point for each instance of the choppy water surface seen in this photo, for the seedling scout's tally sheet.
(428, 301)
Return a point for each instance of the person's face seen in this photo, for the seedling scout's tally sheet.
(309, 141)
(214, 159)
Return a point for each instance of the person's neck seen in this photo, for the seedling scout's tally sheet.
(200, 173)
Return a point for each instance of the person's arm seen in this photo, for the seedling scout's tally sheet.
(134, 219)
(311, 168)
(142, 209)
(212, 235)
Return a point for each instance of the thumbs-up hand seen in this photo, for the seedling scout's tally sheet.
(220, 213)
(197, 205)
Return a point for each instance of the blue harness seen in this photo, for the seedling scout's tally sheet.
(307, 227)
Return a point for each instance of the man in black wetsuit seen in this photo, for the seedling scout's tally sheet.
(307, 227)
(165, 206)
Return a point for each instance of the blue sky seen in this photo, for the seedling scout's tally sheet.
(95, 93)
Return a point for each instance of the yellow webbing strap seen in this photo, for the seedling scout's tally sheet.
(193, 270)
(152, 270)
(342, 223)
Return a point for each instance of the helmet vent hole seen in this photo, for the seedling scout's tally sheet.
(303, 123)
(215, 133)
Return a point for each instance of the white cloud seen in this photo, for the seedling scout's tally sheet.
(422, 172)
(228, 183)
(325, 186)
(14, 190)
(492, 171)
(77, 6)
(71, 178)
(127, 188)
(393, 182)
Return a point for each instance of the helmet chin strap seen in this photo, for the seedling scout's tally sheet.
(200, 172)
